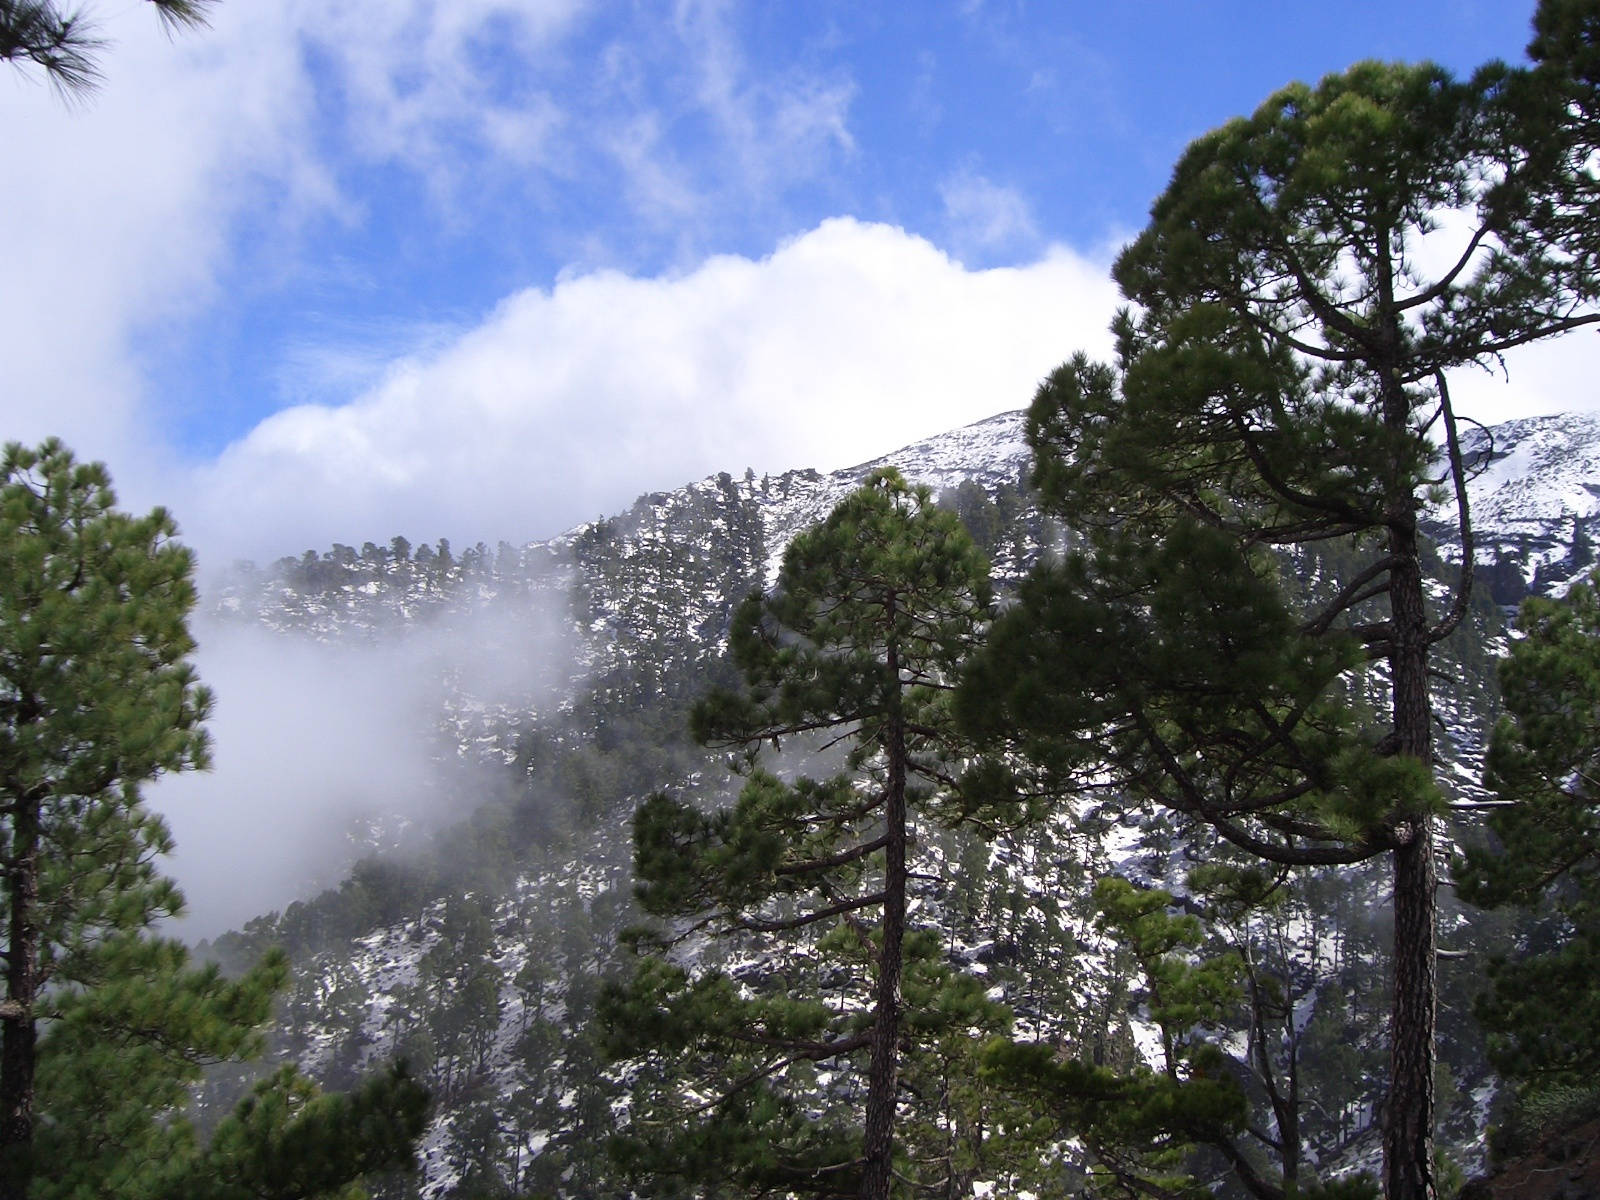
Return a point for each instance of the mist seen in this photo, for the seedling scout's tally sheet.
(328, 749)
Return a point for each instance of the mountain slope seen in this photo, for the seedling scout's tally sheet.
(561, 671)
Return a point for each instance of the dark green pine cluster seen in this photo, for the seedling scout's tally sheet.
(1542, 1010)
(775, 1081)
(106, 1027)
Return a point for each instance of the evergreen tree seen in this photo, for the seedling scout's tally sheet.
(1566, 79)
(65, 45)
(1139, 1126)
(97, 697)
(288, 1140)
(857, 647)
(1543, 1010)
(119, 1062)
(1280, 384)
(1223, 981)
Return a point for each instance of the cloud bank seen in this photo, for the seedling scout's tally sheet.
(327, 750)
(309, 740)
(566, 403)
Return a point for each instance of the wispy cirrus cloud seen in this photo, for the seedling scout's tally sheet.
(984, 218)
(232, 165)
(780, 127)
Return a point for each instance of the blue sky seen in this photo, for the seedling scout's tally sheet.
(484, 268)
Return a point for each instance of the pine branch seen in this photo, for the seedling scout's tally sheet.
(800, 922)
(1463, 590)
(851, 855)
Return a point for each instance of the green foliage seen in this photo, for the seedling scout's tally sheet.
(117, 1071)
(1565, 96)
(1544, 757)
(1244, 1015)
(1194, 686)
(1543, 1009)
(123, 1053)
(126, 1050)
(97, 697)
(96, 691)
(1537, 1113)
(1183, 993)
(1281, 382)
(1140, 1125)
(757, 1084)
(1127, 1122)
(288, 1140)
(64, 45)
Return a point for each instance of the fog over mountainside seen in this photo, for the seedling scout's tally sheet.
(494, 715)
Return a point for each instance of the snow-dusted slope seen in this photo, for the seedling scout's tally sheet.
(641, 603)
(1536, 474)
(1534, 502)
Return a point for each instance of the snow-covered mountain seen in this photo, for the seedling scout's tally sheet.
(1534, 501)
(616, 625)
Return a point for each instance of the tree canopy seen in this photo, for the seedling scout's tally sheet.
(856, 648)
(1307, 281)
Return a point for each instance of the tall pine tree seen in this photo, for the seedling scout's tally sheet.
(97, 698)
(1307, 282)
(757, 1085)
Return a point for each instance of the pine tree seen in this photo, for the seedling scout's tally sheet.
(856, 647)
(1543, 1010)
(120, 1060)
(1280, 384)
(1222, 979)
(64, 44)
(1566, 79)
(1139, 1126)
(98, 697)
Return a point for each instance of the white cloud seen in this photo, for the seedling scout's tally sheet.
(983, 217)
(133, 203)
(128, 202)
(315, 741)
(1546, 377)
(773, 128)
(428, 83)
(309, 739)
(565, 404)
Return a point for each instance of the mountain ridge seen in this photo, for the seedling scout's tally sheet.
(637, 607)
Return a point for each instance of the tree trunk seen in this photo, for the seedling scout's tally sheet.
(1408, 1115)
(17, 1031)
(1408, 1118)
(883, 1074)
